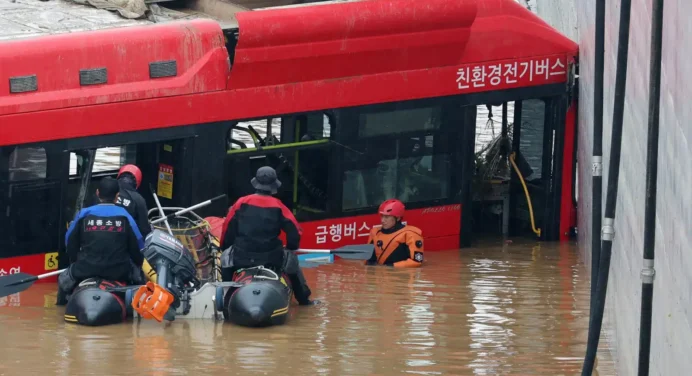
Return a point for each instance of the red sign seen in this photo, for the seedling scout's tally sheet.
(32, 264)
(435, 222)
(440, 226)
(508, 74)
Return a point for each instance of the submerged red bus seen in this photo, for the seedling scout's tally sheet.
(361, 101)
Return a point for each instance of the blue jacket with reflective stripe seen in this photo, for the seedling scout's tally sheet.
(103, 236)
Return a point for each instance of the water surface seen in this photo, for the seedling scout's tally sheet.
(513, 309)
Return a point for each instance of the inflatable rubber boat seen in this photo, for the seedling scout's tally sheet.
(97, 302)
(260, 297)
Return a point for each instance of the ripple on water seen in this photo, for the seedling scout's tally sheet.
(513, 310)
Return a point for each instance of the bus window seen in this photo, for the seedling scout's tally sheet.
(249, 134)
(537, 168)
(409, 168)
(29, 220)
(423, 177)
(296, 146)
(27, 163)
(532, 135)
(399, 121)
(310, 178)
(316, 129)
(108, 159)
(402, 153)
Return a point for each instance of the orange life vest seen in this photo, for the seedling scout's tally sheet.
(402, 248)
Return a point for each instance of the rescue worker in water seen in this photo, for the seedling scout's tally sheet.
(103, 241)
(250, 235)
(396, 244)
(129, 179)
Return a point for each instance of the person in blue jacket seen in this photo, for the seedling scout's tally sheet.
(103, 242)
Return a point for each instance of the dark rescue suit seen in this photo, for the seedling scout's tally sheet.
(400, 246)
(103, 242)
(252, 228)
(135, 205)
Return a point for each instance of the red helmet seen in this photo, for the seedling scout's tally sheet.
(134, 170)
(392, 207)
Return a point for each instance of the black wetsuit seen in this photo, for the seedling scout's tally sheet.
(135, 205)
(103, 242)
(252, 226)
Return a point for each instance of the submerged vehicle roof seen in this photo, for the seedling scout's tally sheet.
(369, 52)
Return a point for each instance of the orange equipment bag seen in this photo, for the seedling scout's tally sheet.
(152, 301)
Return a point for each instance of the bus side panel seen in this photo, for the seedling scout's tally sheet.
(442, 243)
(440, 226)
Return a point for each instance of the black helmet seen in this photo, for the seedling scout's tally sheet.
(265, 180)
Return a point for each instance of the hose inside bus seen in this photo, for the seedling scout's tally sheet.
(537, 231)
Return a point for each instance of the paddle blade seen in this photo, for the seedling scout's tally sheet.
(355, 252)
(315, 260)
(310, 264)
(14, 283)
(351, 252)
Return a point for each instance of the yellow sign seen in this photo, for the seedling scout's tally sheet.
(51, 261)
(164, 187)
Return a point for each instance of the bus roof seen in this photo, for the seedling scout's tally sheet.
(286, 60)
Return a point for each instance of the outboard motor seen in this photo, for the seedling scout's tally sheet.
(175, 269)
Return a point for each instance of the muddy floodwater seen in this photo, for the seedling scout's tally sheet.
(514, 309)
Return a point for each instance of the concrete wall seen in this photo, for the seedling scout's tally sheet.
(672, 331)
(560, 14)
